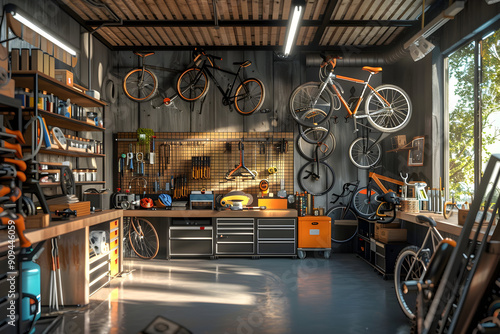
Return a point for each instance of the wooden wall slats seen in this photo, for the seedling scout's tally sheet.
(123, 8)
(165, 11)
(145, 9)
(285, 13)
(340, 10)
(185, 9)
(111, 37)
(137, 13)
(244, 9)
(163, 38)
(354, 8)
(235, 10)
(172, 5)
(255, 10)
(154, 8)
(223, 10)
(319, 9)
(179, 34)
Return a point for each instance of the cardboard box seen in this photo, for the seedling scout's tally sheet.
(64, 76)
(273, 203)
(37, 60)
(379, 226)
(37, 221)
(46, 63)
(52, 67)
(25, 59)
(8, 89)
(387, 235)
(82, 208)
(15, 60)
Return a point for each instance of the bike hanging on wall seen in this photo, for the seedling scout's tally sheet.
(387, 109)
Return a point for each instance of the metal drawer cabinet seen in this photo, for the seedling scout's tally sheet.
(276, 236)
(99, 274)
(235, 236)
(190, 240)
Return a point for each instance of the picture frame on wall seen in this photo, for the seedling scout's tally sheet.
(416, 152)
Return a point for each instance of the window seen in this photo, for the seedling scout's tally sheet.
(473, 108)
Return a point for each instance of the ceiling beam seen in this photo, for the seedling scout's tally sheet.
(257, 23)
(326, 20)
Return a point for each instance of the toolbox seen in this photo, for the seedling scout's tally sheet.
(315, 232)
(201, 201)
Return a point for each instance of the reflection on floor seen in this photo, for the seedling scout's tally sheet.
(237, 295)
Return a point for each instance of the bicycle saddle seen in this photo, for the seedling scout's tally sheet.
(245, 63)
(426, 220)
(372, 70)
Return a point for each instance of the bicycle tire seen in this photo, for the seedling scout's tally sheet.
(318, 190)
(364, 204)
(363, 158)
(342, 213)
(140, 92)
(143, 238)
(250, 96)
(302, 99)
(395, 116)
(192, 84)
(307, 149)
(402, 273)
(302, 129)
(448, 210)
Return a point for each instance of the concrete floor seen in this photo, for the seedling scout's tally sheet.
(239, 295)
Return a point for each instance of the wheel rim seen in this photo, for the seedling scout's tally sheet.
(364, 154)
(343, 232)
(249, 96)
(143, 239)
(326, 144)
(192, 84)
(316, 187)
(302, 100)
(402, 274)
(137, 90)
(388, 118)
(365, 204)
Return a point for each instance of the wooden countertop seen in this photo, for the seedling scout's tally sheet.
(64, 226)
(212, 213)
(449, 225)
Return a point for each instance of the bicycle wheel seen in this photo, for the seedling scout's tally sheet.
(408, 267)
(311, 96)
(192, 84)
(140, 86)
(326, 144)
(388, 108)
(316, 182)
(250, 96)
(314, 137)
(344, 223)
(143, 238)
(364, 153)
(365, 202)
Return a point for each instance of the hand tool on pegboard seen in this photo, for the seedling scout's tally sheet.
(140, 163)
(130, 158)
(152, 155)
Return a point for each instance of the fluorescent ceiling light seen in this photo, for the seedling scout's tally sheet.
(292, 29)
(42, 32)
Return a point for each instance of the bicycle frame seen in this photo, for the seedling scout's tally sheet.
(204, 68)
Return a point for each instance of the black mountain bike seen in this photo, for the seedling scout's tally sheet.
(193, 84)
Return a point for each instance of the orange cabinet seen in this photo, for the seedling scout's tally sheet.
(314, 232)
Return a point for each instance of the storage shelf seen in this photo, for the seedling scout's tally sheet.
(71, 153)
(26, 79)
(63, 121)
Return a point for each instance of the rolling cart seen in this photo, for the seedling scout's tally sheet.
(314, 235)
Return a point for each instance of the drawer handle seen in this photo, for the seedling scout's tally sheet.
(315, 223)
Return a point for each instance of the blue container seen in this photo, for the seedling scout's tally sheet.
(31, 285)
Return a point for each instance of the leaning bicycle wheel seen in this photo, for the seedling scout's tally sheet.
(344, 223)
(143, 238)
(317, 178)
(325, 146)
(388, 108)
(250, 96)
(139, 85)
(365, 202)
(314, 137)
(311, 95)
(192, 84)
(408, 267)
(364, 153)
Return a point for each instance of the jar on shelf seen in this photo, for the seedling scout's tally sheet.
(81, 175)
(88, 175)
(75, 174)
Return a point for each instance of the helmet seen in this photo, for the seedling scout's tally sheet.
(165, 199)
(147, 203)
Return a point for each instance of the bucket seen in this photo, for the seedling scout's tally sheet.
(30, 285)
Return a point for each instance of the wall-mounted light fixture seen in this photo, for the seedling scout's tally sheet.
(293, 26)
(420, 48)
(24, 19)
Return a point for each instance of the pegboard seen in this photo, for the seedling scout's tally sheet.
(261, 151)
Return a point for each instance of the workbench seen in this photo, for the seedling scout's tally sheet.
(75, 257)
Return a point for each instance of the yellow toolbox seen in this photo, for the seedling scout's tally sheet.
(314, 234)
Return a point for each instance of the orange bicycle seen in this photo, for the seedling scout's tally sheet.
(387, 107)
